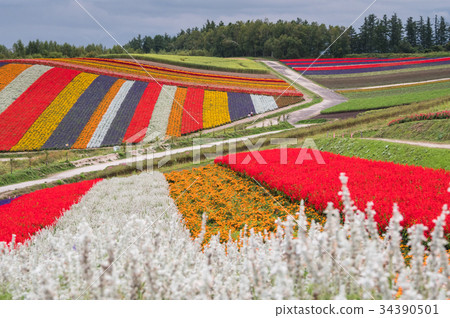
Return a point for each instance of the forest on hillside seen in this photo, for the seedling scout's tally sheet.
(282, 39)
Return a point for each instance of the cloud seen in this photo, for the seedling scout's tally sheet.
(64, 21)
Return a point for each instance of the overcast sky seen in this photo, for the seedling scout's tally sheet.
(65, 21)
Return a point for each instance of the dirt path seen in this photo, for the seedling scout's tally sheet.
(414, 143)
(8, 159)
(330, 98)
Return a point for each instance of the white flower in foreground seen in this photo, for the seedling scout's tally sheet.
(126, 240)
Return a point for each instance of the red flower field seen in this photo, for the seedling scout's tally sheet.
(32, 212)
(419, 192)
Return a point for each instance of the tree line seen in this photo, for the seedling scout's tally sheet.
(51, 49)
(281, 39)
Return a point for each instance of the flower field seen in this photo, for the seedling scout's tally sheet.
(418, 117)
(231, 202)
(419, 192)
(89, 103)
(168, 76)
(17, 79)
(125, 239)
(361, 65)
(28, 214)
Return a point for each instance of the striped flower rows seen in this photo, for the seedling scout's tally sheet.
(25, 110)
(49, 120)
(178, 75)
(79, 115)
(105, 123)
(361, 65)
(89, 130)
(9, 72)
(166, 76)
(58, 108)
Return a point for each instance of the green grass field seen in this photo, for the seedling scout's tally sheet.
(240, 65)
(390, 97)
(312, 121)
(392, 91)
(437, 130)
(379, 150)
(41, 164)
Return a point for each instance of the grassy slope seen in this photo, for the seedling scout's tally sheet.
(437, 130)
(312, 121)
(379, 150)
(203, 62)
(41, 165)
(393, 91)
(390, 97)
(34, 173)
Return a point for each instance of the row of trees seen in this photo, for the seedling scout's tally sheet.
(52, 49)
(391, 35)
(282, 39)
(299, 38)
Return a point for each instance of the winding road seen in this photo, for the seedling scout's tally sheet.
(329, 97)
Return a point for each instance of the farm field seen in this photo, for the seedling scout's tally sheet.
(240, 65)
(382, 77)
(366, 72)
(231, 202)
(90, 103)
(361, 65)
(369, 123)
(381, 98)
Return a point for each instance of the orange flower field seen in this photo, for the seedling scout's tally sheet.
(230, 201)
